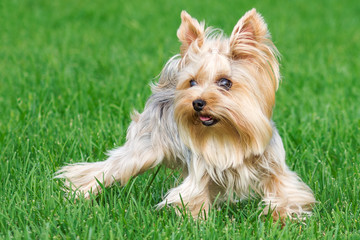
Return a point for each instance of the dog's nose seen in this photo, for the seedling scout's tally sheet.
(199, 104)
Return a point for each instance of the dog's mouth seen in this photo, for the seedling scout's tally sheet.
(207, 120)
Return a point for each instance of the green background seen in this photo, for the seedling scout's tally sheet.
(72, 71)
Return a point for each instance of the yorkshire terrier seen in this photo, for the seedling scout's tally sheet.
(209, 115)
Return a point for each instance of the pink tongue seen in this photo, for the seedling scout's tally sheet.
(205, 118)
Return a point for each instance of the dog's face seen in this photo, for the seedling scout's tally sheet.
(226, 86)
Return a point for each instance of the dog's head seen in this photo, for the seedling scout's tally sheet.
(226, 86)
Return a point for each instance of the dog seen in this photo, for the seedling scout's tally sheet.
(210, 115)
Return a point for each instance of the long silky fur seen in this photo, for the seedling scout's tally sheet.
(242, 151)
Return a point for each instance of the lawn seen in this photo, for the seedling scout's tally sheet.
(72, 71)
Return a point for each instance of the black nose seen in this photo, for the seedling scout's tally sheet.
(199, 104)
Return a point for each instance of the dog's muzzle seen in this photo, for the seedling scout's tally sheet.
(205, 119)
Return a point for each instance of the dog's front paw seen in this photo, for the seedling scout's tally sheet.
(81, 179)
(281, 213)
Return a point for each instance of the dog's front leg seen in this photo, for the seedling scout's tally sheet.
(150, 138)
(136, 156)
(189, 196)
(195, 194)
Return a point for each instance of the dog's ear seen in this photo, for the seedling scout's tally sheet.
(190, 32)
(250, 31)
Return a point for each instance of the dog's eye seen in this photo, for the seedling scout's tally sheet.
(193, 83)
(225, 83)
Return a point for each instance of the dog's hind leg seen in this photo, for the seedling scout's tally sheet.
(152, 136)
(284, 193)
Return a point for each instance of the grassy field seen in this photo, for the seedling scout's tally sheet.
(71, 72)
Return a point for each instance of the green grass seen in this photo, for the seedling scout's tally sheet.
(72, 71)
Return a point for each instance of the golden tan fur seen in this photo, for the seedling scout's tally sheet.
(238, 148)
